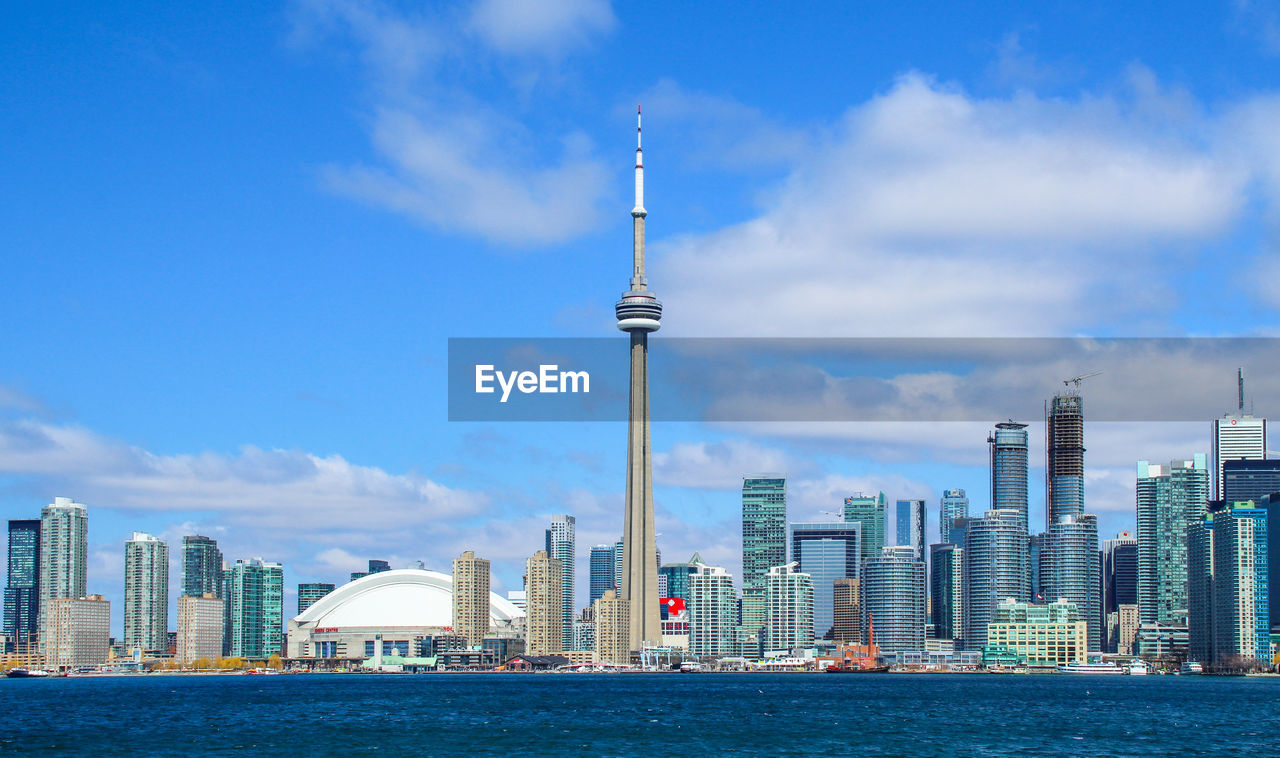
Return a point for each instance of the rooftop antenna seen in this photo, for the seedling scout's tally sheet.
(1240, 389)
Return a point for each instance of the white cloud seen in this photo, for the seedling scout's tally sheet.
(524, 27)
(718, 465)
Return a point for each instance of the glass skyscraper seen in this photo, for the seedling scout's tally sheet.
(601, 577)
(22, 589)
(1245, 479)
(789, 604)
(1169, 499)
(1009, 469)
(201, 566)
(1064, 465)
(893, 599)
(871, 512)
(996, 568)
(1228, 592)
(1238, 436)
(1070, 569)
(310, 592)
(64, 553)
(712, 612)
(146, 594)
(946, 585)
(911, 523)
(677, 576)
(764, 540)
(562, 545)
(256, 597)
(1119, 578)
(826, 551)
(954, 504)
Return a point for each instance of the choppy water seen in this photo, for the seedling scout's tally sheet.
(603, 715)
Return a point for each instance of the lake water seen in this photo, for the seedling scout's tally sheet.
(641, 714)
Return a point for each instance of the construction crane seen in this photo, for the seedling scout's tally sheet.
(1077, 379)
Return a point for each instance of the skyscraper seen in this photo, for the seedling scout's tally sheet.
(1070, 569)
(1200, 591)
(1236, 436)
(601, 578)
(1119, 582)
(1169, 499)
(612, 629)
(471, 598)
(201, 566)
(310, 592)
(562, 544)
(893, 599)
(64, 552)
(712, 608)
(1227, 557)
(677, 576)
(1009, 469)
(78, 630)
(22, 590)
(789, 603)
(256, 595)
(1245, 479)
(826, 552)
(639, 312)
(1064, 465)
(946, 590)
(870, 511)
(995, 569)
(544, 595)
(199, 627)
(146, 594)
(953, 505)
(764, 540)
(846, 602)
(911, 525)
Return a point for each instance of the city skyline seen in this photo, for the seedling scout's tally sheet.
(242, 338)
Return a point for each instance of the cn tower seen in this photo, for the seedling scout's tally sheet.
(638, 314)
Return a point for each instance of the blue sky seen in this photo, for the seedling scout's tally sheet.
(237, 238)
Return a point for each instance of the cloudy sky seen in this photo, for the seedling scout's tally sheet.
(238, 237)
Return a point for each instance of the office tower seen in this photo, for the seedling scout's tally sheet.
(601, 577)
(1249, 479)
(544, 604)
(1200, 625)
(712, 611)
(764, 540)
(995, 569)
(1070, 569)
(201, 566)
(310, 592)
(1236, 436)
(826, 551)
(22, 589)
(78, 630)
(789, 604)
(146, 594)
(846, 604)
(954, 504)
(1119, 580)
(562, 544)
(893, 599)
(200, 627)
(376, 566)
(613, 629)
(911, 525)
(1040, 635)
(946, 590)
(639, 312)
(1064, 451)
(960, 530)
(471, 599)
(255, 591)
(1009, 469)
(64, 552)
(1169, 499)
(677, 576)
(870, 511)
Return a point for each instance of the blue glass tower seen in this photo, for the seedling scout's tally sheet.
(826, 552)
(22, 591)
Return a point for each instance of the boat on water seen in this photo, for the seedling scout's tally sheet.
(1090, 668)
(1191, 667)
(856, 669)
(1137, 668)
(27, 673)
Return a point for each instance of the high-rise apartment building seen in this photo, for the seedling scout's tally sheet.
(1008, 445)
(602, 577)
(677, 575)
(712, 608)
(789, 608)
(544, 604)
(1119, 583)
(1236, 436)
(946, 590)
(871, 511)
(846, 603)
(1228, 593)
(1169, 499)
(562, 544)
(1070, 569)
(893, 599)
(256, 595)
(613, 629)
(764, 540)
(911, 525)
(78, 630)
(146, 594)
(64, 552)
(1064, 464)
(201, 566)
(310, 592)
(1200, 625)
(22, 588)
(471, 598)
(996, 568)
(826, 551)
(199, 627)
(953, 505)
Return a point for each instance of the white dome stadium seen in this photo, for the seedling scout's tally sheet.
(400, 598)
